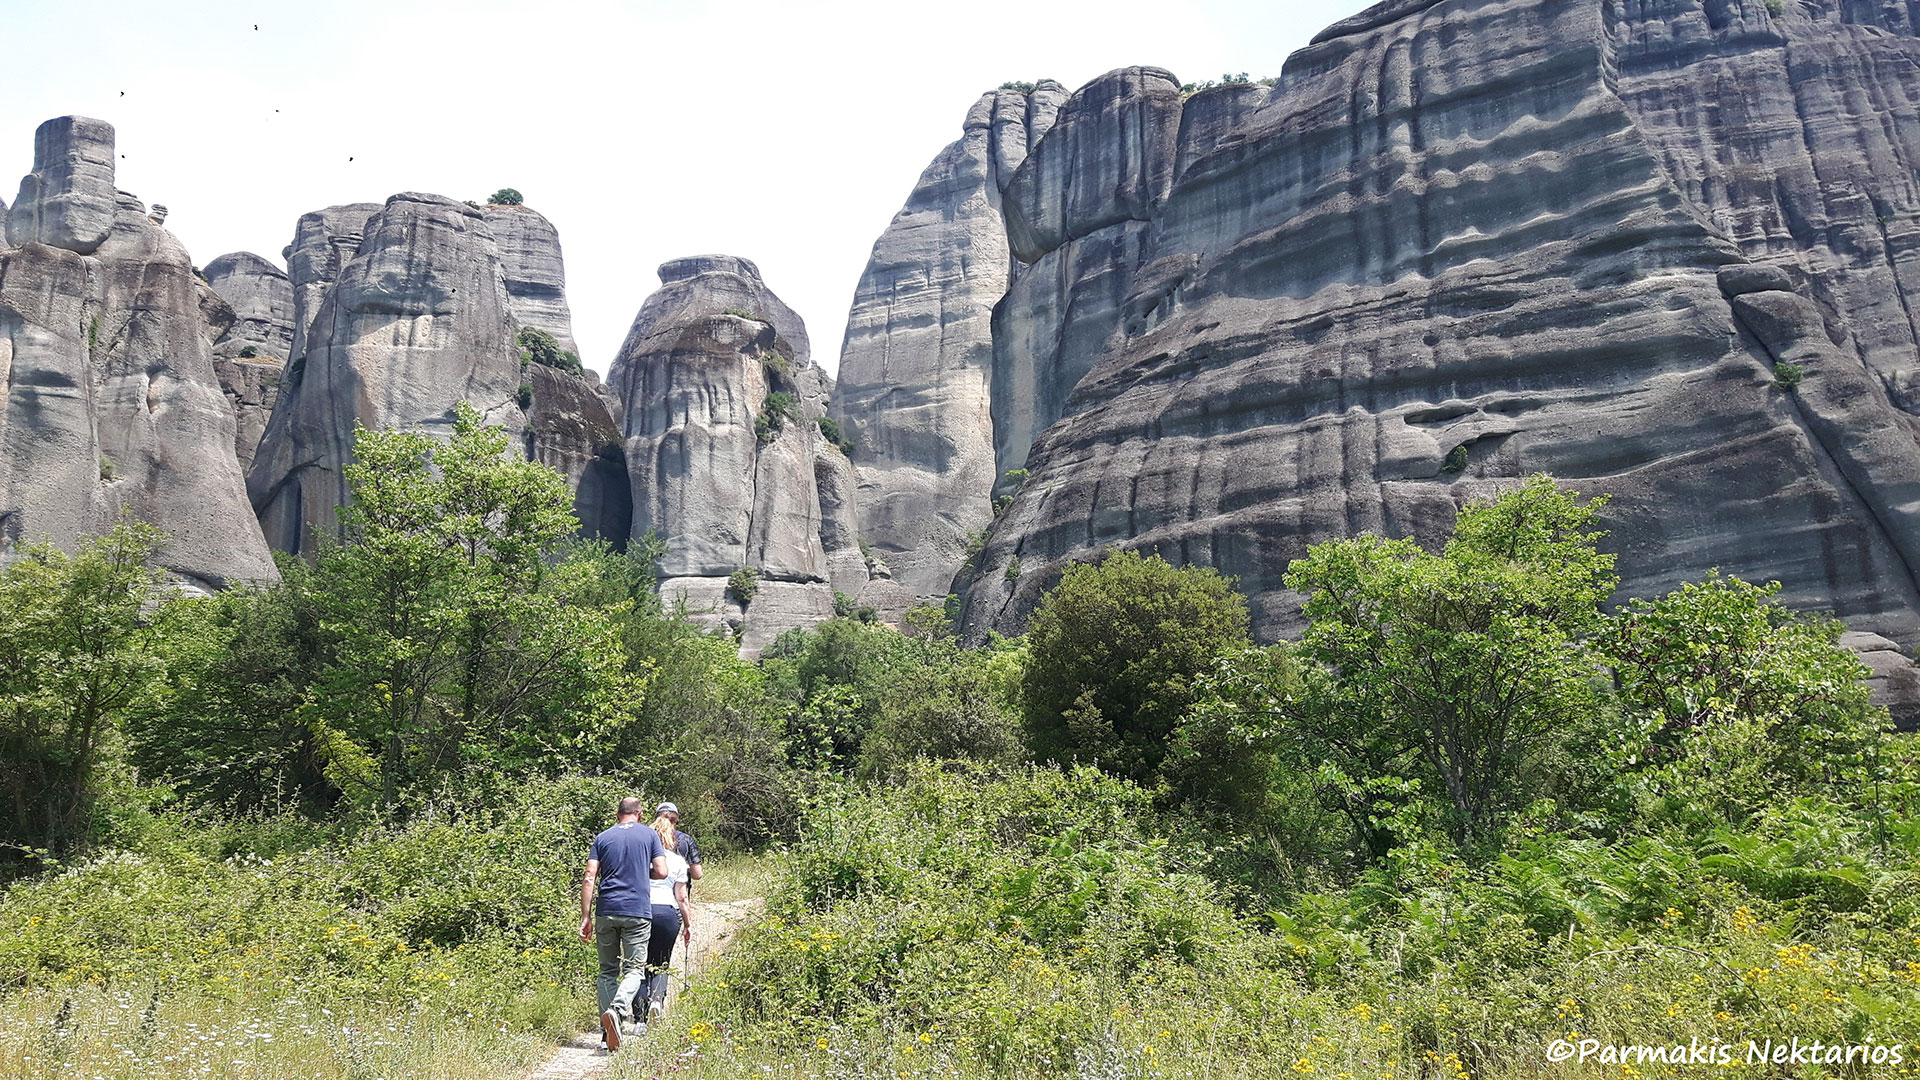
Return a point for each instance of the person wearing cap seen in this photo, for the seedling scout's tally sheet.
(683, 843)
(619, 886)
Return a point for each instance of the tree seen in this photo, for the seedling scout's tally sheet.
(81, 645)
(1472, 659)
(1115, 652)
(456, 640)
(506, 196)
(228, 728)
(1735, 703)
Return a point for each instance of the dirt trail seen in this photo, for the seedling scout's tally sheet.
(714, 928)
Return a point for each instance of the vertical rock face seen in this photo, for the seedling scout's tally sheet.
(400, 312)
(536, 277)
(570, 430)
(323, 243)
(249, 356)
(917, 363)
(720, 402)
(416, 322)
(1794, 134)
(261, 296)
(106, 353)
(1462, 241)
(68, 200)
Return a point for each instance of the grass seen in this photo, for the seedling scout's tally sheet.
(143, 1031)
(737, 877)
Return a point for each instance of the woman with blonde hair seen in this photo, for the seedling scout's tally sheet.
(672, 918)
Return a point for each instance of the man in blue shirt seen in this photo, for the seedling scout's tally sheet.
(624, 860)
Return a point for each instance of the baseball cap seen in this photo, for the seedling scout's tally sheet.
(667, 808)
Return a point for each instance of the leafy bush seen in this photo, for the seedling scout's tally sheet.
(78, 653)
(248, 352)
(525, 396)
(539, 347)
(780, 407)
(830, 431)
(1456, 460)
(465, 910)
(743, 583)
(506, 196)
(1470, 661)
(1788, 376)
(1115, 652)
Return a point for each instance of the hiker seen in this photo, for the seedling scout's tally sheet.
(672, 916)
(623, 864)
(684, 844)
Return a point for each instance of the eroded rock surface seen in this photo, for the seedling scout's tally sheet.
(536, 276)
(415, 322)
(112, 405)
(917, 364)
(720, 404)
(261, 296)
(400, 312)
(1582, 238)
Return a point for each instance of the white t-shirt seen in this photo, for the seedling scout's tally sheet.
(663, 887)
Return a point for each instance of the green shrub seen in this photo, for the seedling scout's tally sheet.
(743, 583)
(506, 196)
(1022, 87)
(1456, 460)
(248, 352)
(780, 407)
(1776, 8)
(1788, 376)
(525, 396)
(539, 347)
(779, 368)
(1013, 569)
(830, 430)
(1116, 652)
(741, 313)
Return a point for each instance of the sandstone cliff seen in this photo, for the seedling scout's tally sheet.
(402, 310)
(917, 364)
(728, 464)
(112, 404)
(1460, 241)
(249, 356)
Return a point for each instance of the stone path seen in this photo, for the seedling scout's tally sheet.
(714, 928)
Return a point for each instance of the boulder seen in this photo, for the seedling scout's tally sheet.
(535, 275)
(415, 322)
(261, 296)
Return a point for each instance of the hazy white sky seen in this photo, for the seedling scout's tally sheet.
(788, 133)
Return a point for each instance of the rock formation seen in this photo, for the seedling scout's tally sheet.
(917, 363)
(250, 355)
(112, 404)
(1665, 251)
(536, 278)
(721, 402)
(400, 312)
(261, 296)
(415, 322)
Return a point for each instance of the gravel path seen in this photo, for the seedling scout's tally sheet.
(714, 928)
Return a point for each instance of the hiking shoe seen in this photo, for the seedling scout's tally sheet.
(610, 1030)
(654, 1008)
(639, 1029)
